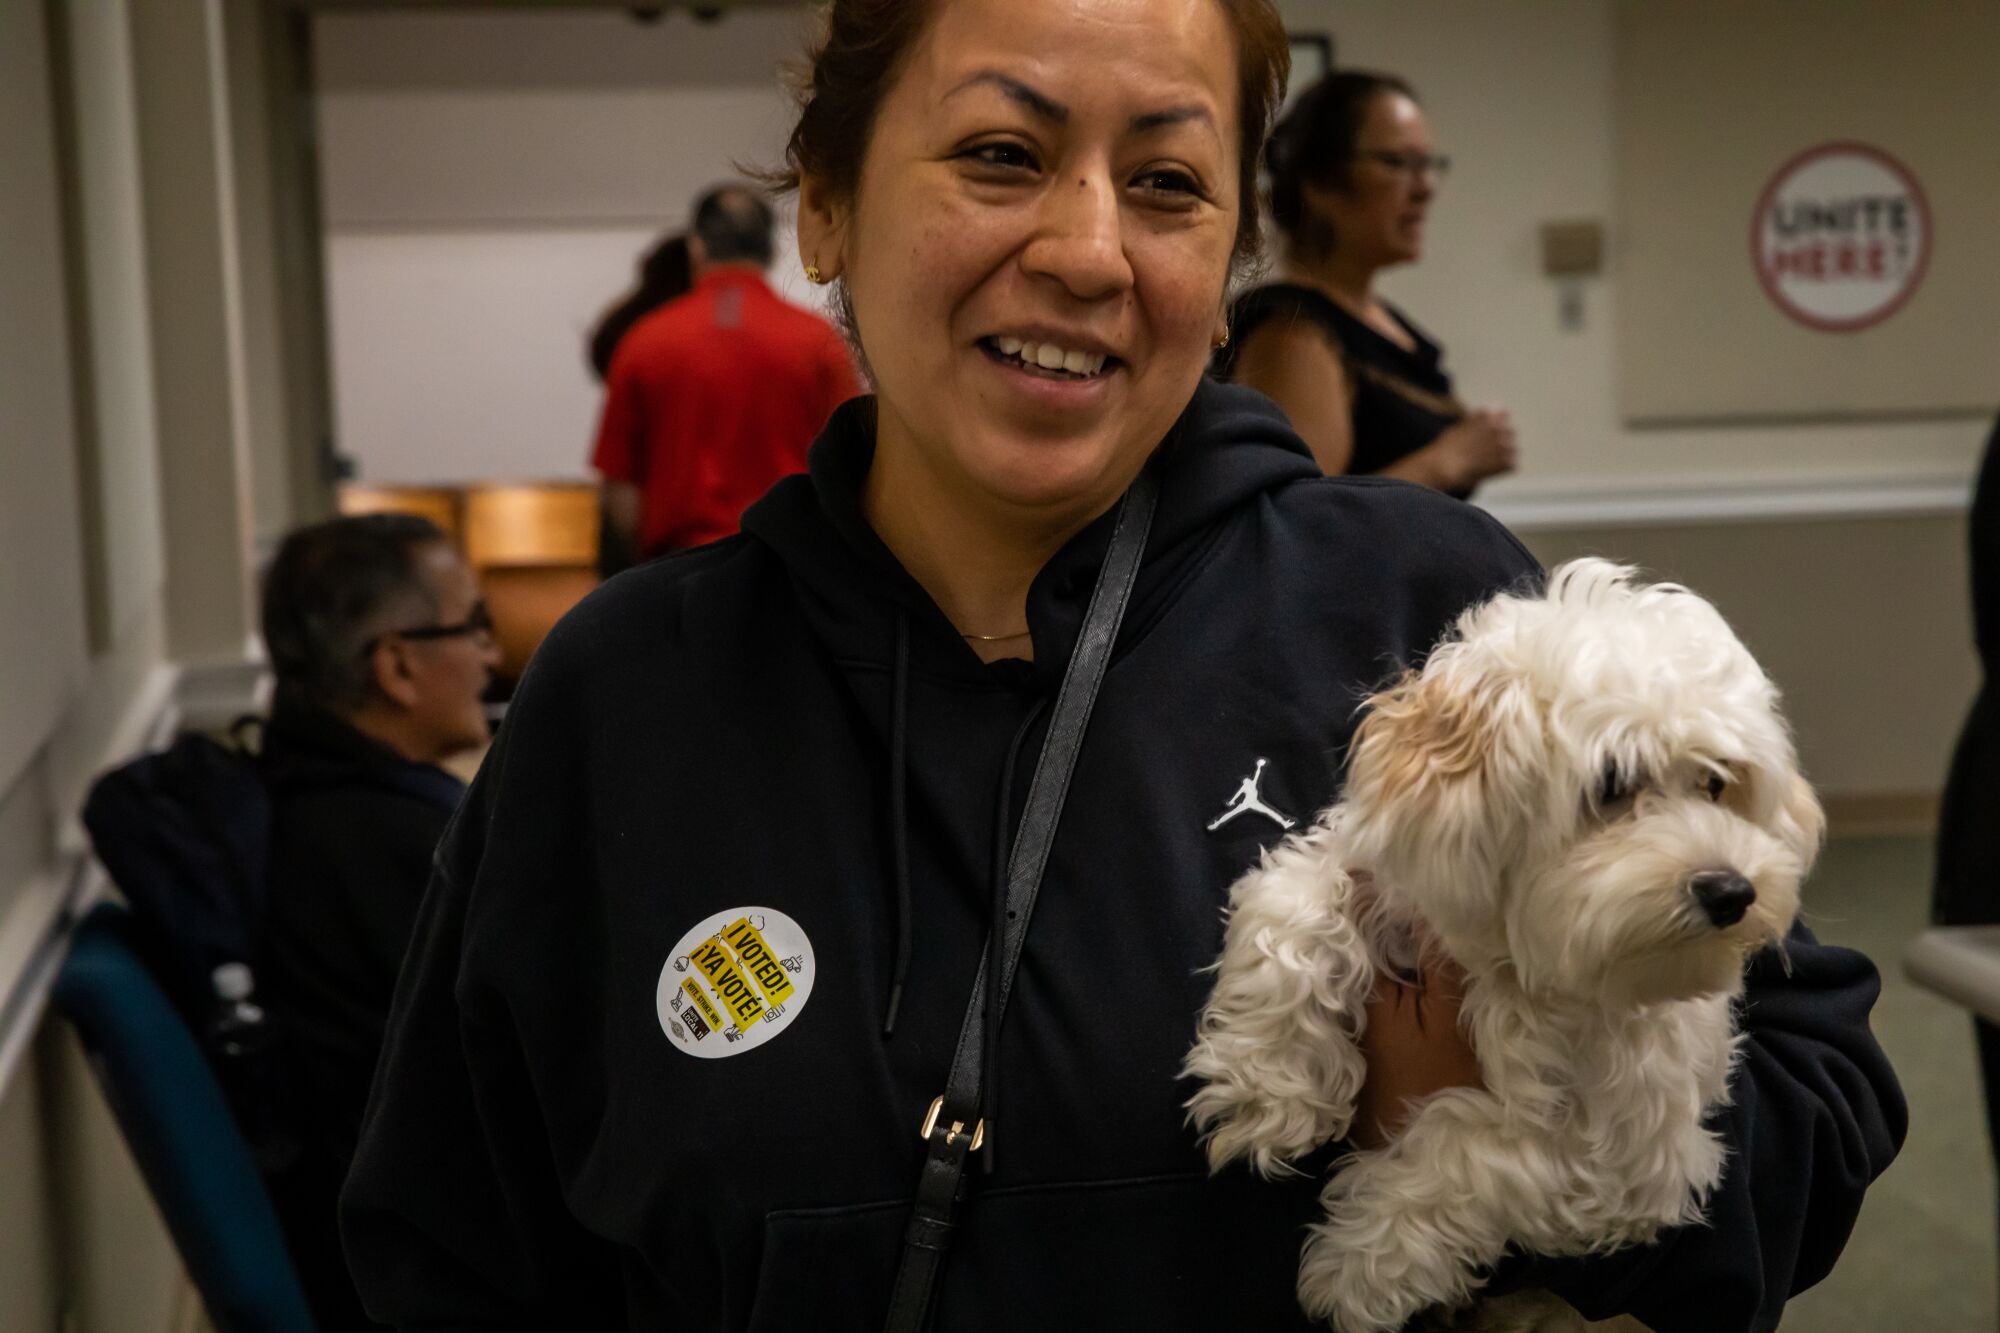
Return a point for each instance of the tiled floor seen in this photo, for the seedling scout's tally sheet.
(1923, 1256)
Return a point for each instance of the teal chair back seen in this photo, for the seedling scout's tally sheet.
(173, 1115)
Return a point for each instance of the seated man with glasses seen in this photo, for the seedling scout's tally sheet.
(381, 649)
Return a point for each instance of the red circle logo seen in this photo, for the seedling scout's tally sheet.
(1841, 237)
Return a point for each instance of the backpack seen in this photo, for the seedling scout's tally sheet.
(186, 836)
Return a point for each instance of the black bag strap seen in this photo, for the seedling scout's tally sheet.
(947, 1141)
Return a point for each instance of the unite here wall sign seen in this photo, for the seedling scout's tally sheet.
(1841, 237)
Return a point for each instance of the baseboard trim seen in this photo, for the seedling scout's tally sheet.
(1882, 814)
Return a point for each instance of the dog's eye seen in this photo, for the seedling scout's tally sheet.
(1612, 786)
(1714, 785)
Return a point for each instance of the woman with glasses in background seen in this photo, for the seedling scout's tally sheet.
(1352, 175)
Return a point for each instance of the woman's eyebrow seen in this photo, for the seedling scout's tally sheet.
(1047, 108)
(1173, 115)
(1042, 105)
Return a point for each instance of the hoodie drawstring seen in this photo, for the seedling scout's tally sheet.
(1003, 843)
(899, 816)
(996, 938)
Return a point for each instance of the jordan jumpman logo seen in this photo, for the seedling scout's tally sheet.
(1246, 799)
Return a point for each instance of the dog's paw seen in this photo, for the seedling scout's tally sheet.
(1353, 1292)
(1238, 1124)
(1387, 1251)
(1276, 1046)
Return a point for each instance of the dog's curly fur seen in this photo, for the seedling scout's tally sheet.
(1538, 801)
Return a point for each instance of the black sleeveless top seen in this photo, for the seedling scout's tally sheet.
(1402, 399)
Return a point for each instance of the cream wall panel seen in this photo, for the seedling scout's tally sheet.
(251, 157)
(122, 472)
(1865, 625)
(1712, 98)
(458, 120)
(196, 313)
(42, 637)
(123, 1275)
(30, 1280)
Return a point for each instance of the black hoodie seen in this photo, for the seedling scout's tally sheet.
(710, 745)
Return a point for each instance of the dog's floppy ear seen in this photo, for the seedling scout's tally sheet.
(1433, 778)
(1433, 731)
(1801, 822)
(1415, 734)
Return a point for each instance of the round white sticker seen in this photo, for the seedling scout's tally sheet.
(1841, 237)
(734, 982)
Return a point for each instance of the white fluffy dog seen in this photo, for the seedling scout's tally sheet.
(1588, 800)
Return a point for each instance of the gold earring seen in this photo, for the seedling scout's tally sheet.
(814, 276)
(1223, 341)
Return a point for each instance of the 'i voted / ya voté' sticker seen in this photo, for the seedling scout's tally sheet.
(734, 982)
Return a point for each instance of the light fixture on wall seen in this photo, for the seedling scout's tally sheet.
(1572, 251)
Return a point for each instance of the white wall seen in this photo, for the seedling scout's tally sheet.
(123, 546)
(484, 375)
(489, 181)
(41, 561)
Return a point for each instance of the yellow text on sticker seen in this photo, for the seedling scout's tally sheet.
(738, 995)
(754, 956)
(699, 999)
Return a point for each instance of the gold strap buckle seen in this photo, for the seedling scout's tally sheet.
(957, 1126)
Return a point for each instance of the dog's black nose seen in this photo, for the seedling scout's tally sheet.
(1723, 894)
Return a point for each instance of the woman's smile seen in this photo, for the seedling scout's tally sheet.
(1055, 375)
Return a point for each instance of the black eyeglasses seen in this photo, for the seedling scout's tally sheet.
(477, 621)
(1410, 164)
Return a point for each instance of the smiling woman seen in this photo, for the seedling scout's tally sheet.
(921, 788)
(1079, 196)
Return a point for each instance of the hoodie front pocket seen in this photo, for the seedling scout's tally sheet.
(1158, 1253)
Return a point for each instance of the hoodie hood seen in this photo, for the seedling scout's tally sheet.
(1227, 446)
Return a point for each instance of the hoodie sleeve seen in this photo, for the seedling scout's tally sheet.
(452, 1218)
(1815, 1114)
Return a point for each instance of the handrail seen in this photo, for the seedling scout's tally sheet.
(56, 899)
(27, 1000)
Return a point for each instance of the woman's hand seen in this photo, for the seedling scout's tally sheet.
(1414, 1047)
(1479, 445)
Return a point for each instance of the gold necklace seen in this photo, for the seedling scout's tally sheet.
(995, 638)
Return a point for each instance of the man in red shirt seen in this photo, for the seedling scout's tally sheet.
(715, 395)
